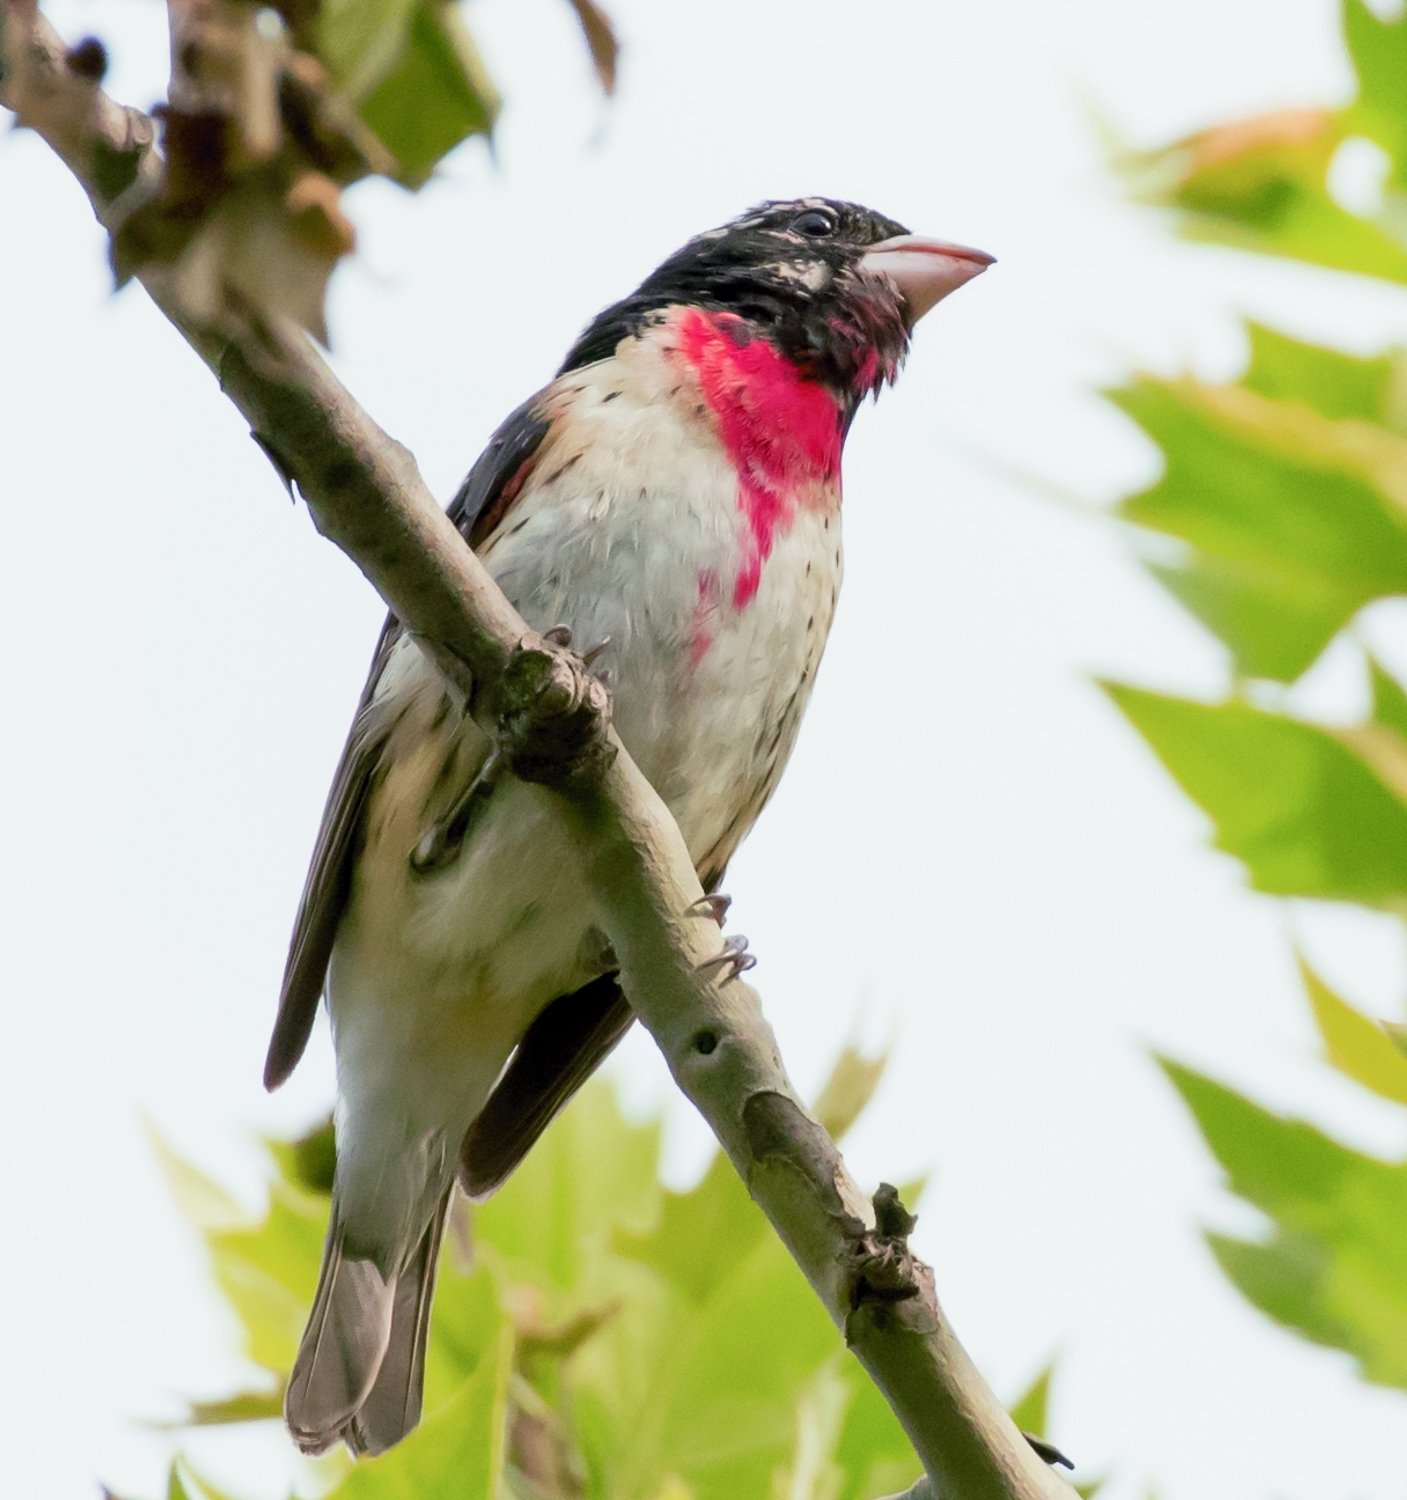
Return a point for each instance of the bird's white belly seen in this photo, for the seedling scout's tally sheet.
(706, 697)
(436, 976)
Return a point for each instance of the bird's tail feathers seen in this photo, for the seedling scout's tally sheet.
(392, 1406)
(359, 1374)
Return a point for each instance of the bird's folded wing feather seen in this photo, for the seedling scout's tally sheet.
(494, 484)
(561, 1049)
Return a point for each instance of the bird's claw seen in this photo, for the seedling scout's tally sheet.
(733, 956)
(714, 905)
(561, 635)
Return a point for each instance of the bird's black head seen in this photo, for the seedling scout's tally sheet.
(796, 271)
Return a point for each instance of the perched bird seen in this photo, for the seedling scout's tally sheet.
(675, 492)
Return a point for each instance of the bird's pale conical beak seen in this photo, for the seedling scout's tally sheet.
(925, 271)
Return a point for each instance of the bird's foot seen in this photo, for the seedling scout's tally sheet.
(561, 635)
(555, 715)
(733, 956)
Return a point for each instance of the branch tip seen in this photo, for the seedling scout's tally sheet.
(1047, 1452)
(892, 1220)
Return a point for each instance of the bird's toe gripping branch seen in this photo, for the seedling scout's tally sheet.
(714, 905)
(732, 960)
(555, 715)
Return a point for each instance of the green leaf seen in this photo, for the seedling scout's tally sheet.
(205, 1204)
(362, 40)
(267, 1268)
(848, 1090)
(183, 1483)
(244, 1406)
(1334, 384)
(590, 1173)
(269, 1273)
(465, 1320)
(1029, 1410)
(1291, 527)
(459, 1451)
(1304, 813)
(309, 1161)
(1335, 1266)
(1378, 50)
(874, 1452)
(820, 1407)
(437, 94)
(1356, 1046)
(1262, 185)
(1389, 701)
(702, 1235)
(1284, 1280)
(711, 1393)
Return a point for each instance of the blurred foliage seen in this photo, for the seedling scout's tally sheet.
(595, 1334)
(272, 111)
(1335, 1266)
(1269, 184)
(1283, 499)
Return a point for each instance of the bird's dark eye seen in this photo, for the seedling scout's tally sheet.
(815, 224)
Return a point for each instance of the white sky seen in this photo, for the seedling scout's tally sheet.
(971, 854)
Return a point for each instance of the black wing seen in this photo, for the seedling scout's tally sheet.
(561, 1049)
(497, 479)
(484, 498)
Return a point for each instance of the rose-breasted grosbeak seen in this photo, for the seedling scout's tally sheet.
(675, 490)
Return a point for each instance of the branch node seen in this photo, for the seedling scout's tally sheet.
(88, 59)
(892, 1220)
(281, 466)
(885, 1270)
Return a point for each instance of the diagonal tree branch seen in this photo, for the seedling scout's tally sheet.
(365, 493)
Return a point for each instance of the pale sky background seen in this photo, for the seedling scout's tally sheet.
(971, 854)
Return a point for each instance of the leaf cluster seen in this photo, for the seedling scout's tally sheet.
(595, 1334)
(1280, 515)
(272, 111)
(1268, 184)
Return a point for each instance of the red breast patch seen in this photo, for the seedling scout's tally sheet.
(781, 431)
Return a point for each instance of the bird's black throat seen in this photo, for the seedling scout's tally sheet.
(791, 270)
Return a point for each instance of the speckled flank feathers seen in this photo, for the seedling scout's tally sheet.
(676, 492)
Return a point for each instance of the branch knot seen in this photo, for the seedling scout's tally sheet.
(885, 1269)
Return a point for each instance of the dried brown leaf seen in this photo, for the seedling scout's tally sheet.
(253, 251)
(601, 39)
